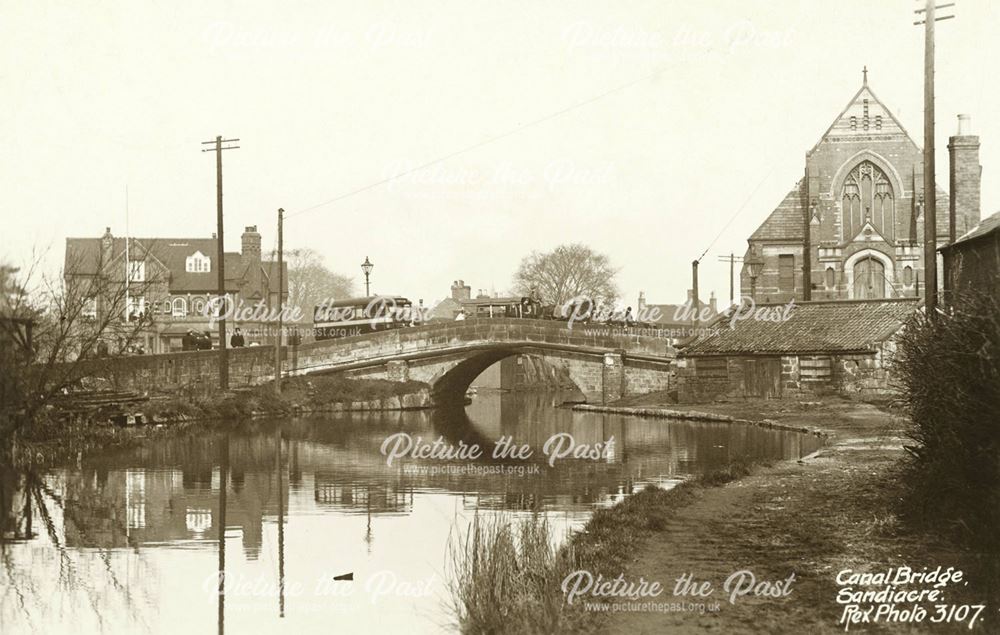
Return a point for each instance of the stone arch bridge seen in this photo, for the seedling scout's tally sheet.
(605, 363)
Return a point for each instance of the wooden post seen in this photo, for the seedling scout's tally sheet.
(281, 280)
(930, 193)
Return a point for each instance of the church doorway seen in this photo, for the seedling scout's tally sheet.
(869, 279)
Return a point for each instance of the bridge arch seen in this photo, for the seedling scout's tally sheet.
(451, 385)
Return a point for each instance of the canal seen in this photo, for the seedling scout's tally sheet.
(133, 541)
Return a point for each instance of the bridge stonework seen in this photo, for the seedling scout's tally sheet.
(604, 363)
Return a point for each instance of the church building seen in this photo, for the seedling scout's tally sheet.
(852, 228)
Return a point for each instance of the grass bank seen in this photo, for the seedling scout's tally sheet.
(298, 394)
(507, 576)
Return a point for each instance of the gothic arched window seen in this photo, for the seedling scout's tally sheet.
(868, 197)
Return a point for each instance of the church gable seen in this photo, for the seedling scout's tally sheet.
(865, 118)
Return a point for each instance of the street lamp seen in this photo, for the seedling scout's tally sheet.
(367, 267)
(755, 264)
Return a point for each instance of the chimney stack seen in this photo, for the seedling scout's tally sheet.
(460, 291)
(250, 253)
(965, 175)
(107, 246)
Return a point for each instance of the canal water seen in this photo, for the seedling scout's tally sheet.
(129, 541)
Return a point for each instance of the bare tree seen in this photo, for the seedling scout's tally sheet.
(73, 325)
(310, 282)
(567, 272)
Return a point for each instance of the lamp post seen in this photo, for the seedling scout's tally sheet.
(755, 264)
(367, 267)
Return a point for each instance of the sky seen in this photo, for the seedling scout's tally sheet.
(652, 131)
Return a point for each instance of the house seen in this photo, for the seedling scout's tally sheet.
(448, 308)
(853, 226)
(678, 322)
(973, 261)
(836, 346)
(172, 282)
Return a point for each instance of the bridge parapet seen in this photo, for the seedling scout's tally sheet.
(450, 336)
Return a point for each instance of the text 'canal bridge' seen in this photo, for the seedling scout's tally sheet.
(605, 363)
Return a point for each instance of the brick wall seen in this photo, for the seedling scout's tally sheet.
(965, 174)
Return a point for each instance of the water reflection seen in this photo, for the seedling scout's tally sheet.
(249, 529)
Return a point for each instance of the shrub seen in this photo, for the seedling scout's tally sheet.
(950, 370)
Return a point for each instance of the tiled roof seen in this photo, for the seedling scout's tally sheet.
(834, 326)
(83, 257)
(671, 314)
(986, 226)
(445, 309)
(785, 222)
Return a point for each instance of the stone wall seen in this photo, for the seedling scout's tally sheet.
(864, 375)
(197, 370)
(532, 372)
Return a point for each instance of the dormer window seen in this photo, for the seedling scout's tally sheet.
(198, 263)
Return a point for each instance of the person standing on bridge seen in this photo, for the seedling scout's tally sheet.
(237, 340)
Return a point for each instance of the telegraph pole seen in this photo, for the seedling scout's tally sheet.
(694, 291)
(732, 259)
(220, 257)
(930, 190)
(281, 286)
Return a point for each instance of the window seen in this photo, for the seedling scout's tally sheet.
(135, 307)
(908, 276)
(867, 197)
(786, 273)
(179, 307)
(89, 310)
(136, 271)
(830, 277)
(198, 306)
(198, 263)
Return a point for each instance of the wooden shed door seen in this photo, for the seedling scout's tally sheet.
(762, 377)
